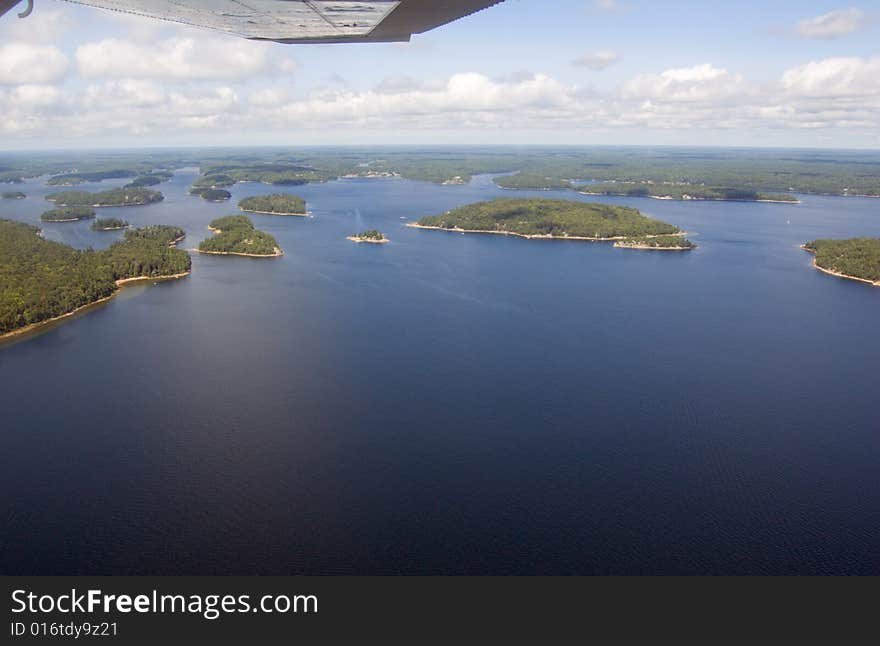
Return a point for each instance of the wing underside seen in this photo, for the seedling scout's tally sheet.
(304, 21)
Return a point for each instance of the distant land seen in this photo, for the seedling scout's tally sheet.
(667, 171)
(855, 259)
(275, 204)
(113, 197)
(12, 195)
(44, 281)
(236, 236)
(550, 219)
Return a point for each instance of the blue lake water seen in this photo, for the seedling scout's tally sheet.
(452, 403)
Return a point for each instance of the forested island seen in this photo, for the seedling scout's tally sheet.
(545, 218)
(113, 197)
(275, 204)
(685, 192)
(68, 214)
(163, 233)
(372, 236)
(41, 281)
(74, 179)
(657, 243)
(660, 191)
(151, 179)
(856, 258)
(109, 224)
(13, 195)
(211, 194)
(236, 236)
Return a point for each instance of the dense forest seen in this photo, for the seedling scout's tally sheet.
(40, 279)
(113, 197)
(152, 179)
(276, 204)
(211, 194)
(12, 195)
(68, 214)
(163, 233)
(684, 192)
(236, 235)
(108, 224)
(656, 242)
(73, 179)
(857, 257)
(531, 182)
(557, 218)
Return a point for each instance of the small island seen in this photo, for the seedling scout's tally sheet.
(371, 236)
(68, 214)
(855, 259)
(657, 243)
(45, 281)
(109, 224)
(211, 194)
(113, 197)
(275, 204)
(550, 219)
(163, 233)
(13, 195)
(236, 236)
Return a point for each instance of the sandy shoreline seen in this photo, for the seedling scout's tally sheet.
(644, 247)
(838, 274)
(299, 215)
(414, 225)
(367, 240)
(82, 308)
(690, 199)
(278, 252)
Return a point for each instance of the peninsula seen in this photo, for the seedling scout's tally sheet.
(45, 281)
(113, 197)
(855, 259)
(68, 214)
(109, 224)
(549, 219)
(275, 204)
(371, 236)
(236, 236)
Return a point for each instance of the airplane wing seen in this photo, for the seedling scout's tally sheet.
(301, 21)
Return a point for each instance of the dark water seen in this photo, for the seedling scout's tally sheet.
(451, 403)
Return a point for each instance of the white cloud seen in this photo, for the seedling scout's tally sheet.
(608, 5)
(597, 60)
(24, 63)
(43, 27)
(206, 58)
(835, 77)
(834, 24)
(822, 95)
(698, 83)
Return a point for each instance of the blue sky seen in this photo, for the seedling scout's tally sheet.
(563, 71)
